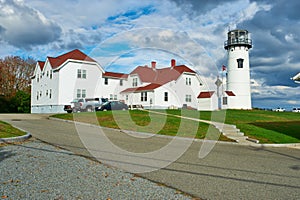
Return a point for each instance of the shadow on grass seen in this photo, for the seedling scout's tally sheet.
(290, 128)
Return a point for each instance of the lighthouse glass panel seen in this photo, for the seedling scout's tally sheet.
(240, 62)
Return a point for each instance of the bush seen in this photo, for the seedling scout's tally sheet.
(19, 103)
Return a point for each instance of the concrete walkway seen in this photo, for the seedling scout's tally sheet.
(227, 130)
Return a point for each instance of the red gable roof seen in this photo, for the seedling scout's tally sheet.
(160, 76)
(151, 86)
(41, 64)
(75, 55)
(229, 93)
(205, 94)
(115, 75)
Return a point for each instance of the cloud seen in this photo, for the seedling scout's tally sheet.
(131, 33)
(24, 27)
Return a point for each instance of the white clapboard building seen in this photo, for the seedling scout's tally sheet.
(59, 80)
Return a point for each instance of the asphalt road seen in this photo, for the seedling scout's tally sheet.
(229, 171)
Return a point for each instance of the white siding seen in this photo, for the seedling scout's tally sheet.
(208, 104)
(63, 85)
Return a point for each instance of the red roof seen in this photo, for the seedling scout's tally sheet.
(149, 87)
(115, 75)
(205, 94)
(160, 76)
(229, 93)
(75, 55)
(41, 64)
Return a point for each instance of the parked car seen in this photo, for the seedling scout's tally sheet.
(296, 110)
(279, 109)
(85, 104)
(113, 105)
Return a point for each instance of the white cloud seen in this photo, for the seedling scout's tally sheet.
(25, 27)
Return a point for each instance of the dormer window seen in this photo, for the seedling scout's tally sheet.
(134, 82)
(188, 81)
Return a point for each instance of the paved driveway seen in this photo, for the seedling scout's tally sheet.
(228, 172)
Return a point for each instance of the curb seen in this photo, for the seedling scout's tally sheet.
(145, 135)
(15, 139)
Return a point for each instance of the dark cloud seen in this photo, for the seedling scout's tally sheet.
(275, 35)
(25, 27)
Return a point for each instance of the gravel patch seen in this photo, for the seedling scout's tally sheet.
(35, 170)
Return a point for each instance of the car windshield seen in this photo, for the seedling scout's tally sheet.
(74, 101)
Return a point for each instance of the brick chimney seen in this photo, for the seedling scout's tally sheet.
(173, 63)
(153, 65)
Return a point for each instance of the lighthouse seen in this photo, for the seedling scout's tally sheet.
(238, 91)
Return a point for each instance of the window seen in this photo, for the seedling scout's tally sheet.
(111, 97)
(166, 96)
(188, 98)
(78, 73)
(50, 93)
(134, 82)
(37, 96)
(144, 96)
(126, 97)
(47, 73)
(83, 93)
(188, 81)
(78, 93)
(46, 92)
(38, 78)
(115, 97)
(40, 93)
(84, 73)
(121, 82)
(105, 81)
(225, 101)
(51, 72)
(81, 73)
(240, 62)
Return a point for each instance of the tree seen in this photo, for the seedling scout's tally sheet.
(15, 75)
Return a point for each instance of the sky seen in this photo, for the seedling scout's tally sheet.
(121, 35)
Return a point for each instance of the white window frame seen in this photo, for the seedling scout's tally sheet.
(78, 94)
(81, 73)
(83, 93)
(134, 82)
(166, 96)
(188, 98)
(144, 96)
(50, 93)
(188, 81)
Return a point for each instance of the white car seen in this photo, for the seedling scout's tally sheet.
(296, 110)
(279, 109)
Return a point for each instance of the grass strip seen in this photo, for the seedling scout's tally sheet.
(7, 131)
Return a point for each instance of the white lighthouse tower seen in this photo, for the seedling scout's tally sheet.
(238, 70)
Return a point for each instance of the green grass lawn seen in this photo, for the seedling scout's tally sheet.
(6, 130)
(142, 121)
(266, 126)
